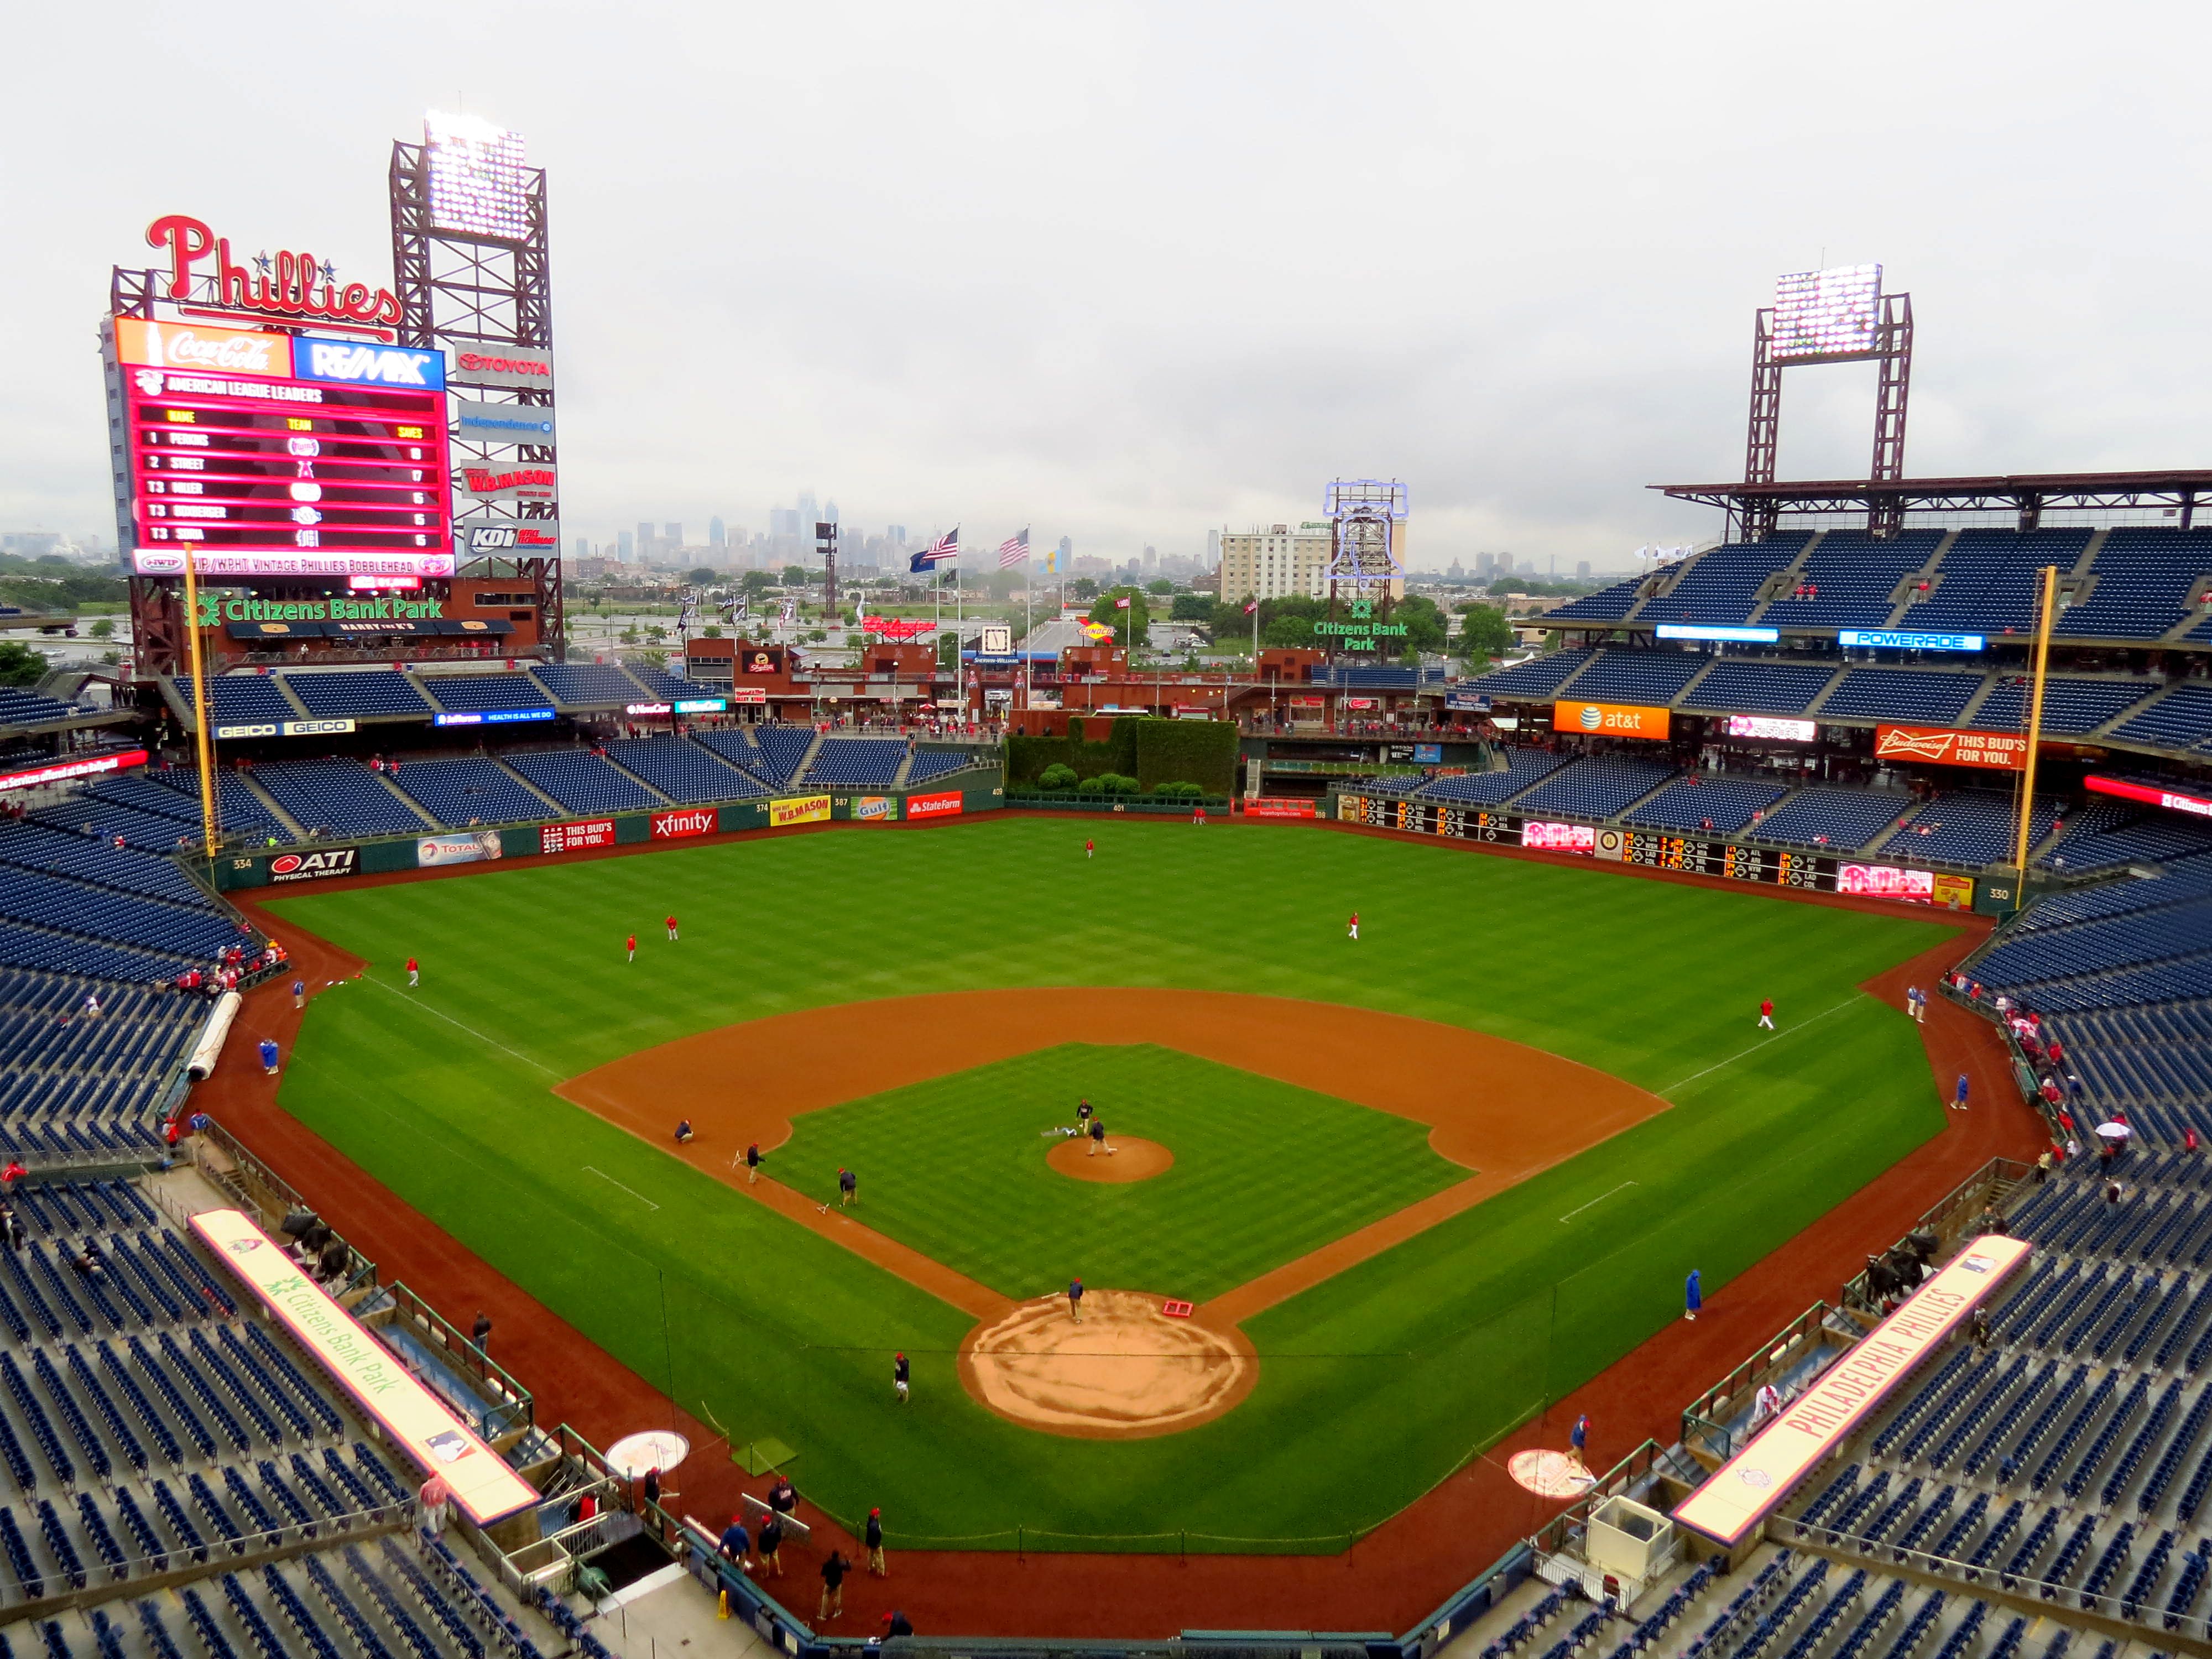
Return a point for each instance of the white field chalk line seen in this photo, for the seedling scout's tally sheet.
(1785, 1031)
(1600, 1198)
(632, 1191)
(417, 1002)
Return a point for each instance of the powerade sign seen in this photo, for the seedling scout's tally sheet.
(1729, 635)
(349, 362)
(491, 716)
(1892, 639)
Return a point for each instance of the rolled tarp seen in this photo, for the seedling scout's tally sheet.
(208, 1049)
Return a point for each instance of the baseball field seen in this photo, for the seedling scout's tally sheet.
(1411, 1187)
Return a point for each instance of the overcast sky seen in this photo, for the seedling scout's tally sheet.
(1125, 272)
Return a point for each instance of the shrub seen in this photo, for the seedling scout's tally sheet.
(1116, 784)
(1059, 775)
(1093, 786)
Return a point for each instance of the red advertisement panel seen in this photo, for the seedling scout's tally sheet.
(568, 838)
(92, 766)
(1942, 746)
(1261, 806)
(941, 804)
(691, 821)
(2173, 800)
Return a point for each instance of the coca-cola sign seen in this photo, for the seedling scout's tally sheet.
(292, 286)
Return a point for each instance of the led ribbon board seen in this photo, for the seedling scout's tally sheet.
(280, 455)
(1902, 640)
(1753, 1484)
(483, 1488)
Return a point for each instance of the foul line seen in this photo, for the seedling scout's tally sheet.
(1785, 1031)
(1600, 1198)
(417, 1002)
(632, 1191)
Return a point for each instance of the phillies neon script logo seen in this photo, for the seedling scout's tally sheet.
(285, 288)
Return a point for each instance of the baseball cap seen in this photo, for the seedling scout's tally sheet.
(875, 1512)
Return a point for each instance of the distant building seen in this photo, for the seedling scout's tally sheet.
(717, 536)
(1454, 573)
(1275, 562)
(672, 534)
(583, 548)
(624, 550)
(645, 541)
(1582, 570)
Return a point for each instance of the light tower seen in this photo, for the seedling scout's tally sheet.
(1839, 315)
(1366, 550)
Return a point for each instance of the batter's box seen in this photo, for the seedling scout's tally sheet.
(1176, 1309)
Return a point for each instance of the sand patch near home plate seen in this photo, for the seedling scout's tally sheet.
(1126, 1372)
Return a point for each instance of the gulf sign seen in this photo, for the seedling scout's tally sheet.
(1610, 720)
(1753, 1484)
(1942, 746)
(412, 1418)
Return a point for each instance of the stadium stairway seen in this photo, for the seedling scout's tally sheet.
(657, 794)
(553, 808)
(270, 803)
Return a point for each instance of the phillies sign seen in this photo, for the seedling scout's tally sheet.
(283, 287)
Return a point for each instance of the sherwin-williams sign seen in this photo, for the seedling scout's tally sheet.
(482, 1486)
(1610, 719)
(1750, 1485)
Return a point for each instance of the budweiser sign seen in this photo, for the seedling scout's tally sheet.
(513, 483)
(284, 285)
(1942, 746)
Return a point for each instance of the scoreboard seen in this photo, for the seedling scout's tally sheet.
(279, 455)
(1661, 849)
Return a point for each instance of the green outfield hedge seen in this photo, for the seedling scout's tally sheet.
(1154, 751)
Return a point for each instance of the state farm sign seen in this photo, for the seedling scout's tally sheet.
(697, 821)
(941, 804)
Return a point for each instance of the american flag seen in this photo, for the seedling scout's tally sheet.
(947, 546)
(1014, 549)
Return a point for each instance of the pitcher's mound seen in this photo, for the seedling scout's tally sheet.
(1131, 1160)
(1127, 1371)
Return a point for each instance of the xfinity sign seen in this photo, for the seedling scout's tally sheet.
(350, 363)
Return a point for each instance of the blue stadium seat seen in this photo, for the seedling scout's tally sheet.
(1913, 696)
(1720, 587)
(485, 692)
(242, 699)
(684, 770)
(1708, 802)
(1843, 820)
(339, 694)
(587, 685)
(1654, 677)
(1747, 686)
(470, 790)
(1594, 787)
(1847, 580)
(338, 797)
(856, 763)
(583, 782)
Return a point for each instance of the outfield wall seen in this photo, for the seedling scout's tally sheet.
(961, 794)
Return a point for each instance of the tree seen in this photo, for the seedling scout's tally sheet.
(20, 664)
(703, 577)
(1082, 588)
(1162, 586)
(755, 582)
(1484, 630)
(793, 577)
(1423, 621)
(103, 629)
(1192, 607)
(712, 632)
(1128, 625)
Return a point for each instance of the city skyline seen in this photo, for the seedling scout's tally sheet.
(1174, 280)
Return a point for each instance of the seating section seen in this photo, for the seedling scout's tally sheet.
(1988, 581)
(239, 810)
(83, 895)
(1968, 829)
(1607, 605)
(1655, 677)
(2070, 706)
(1594, 787)
(857, 763)
(1721, 588)
(930, 763)
(1523, 766)
(1746, 687)
(1933, 698)
(486, 692)
(2143, 574)
(77, 1089)
(669, 688)
(582, 782)
(782, 750)
(339, 797)
(26, 708)
(1848, 579)
(468, 791)
(242, 698)
(2180, 720)
(1708, 803)
(1843, 820)
(2109, 835)
(1534, 680)
(684, 770)
(586, 685)
(340, 694)
(150, 1431)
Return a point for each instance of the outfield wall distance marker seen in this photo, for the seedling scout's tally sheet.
(632, 1191)
(1600, 1198)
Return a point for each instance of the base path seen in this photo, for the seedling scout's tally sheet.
(1499, 1117)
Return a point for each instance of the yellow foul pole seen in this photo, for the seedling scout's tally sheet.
(2027, 813)
(202, 737)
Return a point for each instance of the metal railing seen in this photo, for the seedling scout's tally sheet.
(359, 1270)
(1704, 1425)
(1949, 1217)
(507, 1405)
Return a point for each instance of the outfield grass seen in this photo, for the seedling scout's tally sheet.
(1372, 1385)
(1264, 1171)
